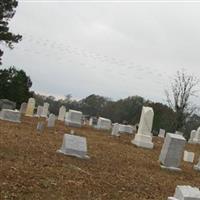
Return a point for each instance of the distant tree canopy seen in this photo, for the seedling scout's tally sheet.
(126, 110)
(14, 85)
(7, 11)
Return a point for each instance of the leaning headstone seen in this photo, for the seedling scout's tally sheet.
(23, 108)
(161, 133)
(144, 136)
(7, 104)
(197, 166)
(39, 111)
(73, 118)
(188, 156)
(30, 107)
(51, 121)
(104, 124)
(40, 126)
(186, 193)
(172, 151)
(74, 146)
(62, 112)
(10, 115)
(115, 130)
(45, 110)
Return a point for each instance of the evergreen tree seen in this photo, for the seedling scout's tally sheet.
(7, 11)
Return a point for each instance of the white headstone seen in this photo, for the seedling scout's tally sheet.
(186, 193)
(188, 156)
(30, 107)
(179, 133)
(196, 139)
(39, 111)
(126, 128)
(62, 112)
(10, 115)
(144, 136)
(73, 118)
(104, 124)
(197, 166)
(51, 121)
(161, 133)
(74, 146)
(23, 107)
(45, 110)
(115, 130)
(192, 136)
(172, 151)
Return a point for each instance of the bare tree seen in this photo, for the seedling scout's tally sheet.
(183, 88)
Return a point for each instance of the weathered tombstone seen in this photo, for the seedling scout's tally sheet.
(62, 112)
(125, 128)
(30, 107)
(144, 136)
(179, 133)
(39, 111)
(23, 108)
(161, 133)
(197, 166)
(10, 115)
(45, 110)
(93, 121)
(74, 146)
(51, 121)
(115, 130)
(104, 124)
(186, 193)
(40, 126)
(7, 104)
(188, 156)
(73, 118)
(196, 139)
(172, 151)
(192, 136)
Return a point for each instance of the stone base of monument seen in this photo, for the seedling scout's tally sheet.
(10, 115)
(144, 141)
(171, 168)
(74, 146)
(73, 124)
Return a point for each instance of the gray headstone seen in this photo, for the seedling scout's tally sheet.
(115, 130)
(51, 121)
(10, 115)
(172, 151)
(23, 108)
(39, 111)
(7, 104)
(197, 166)
(186, 193)
(62, 112)
(45, 110)
(161, 133)
(104, 124)
(73, 118)
(74, 146)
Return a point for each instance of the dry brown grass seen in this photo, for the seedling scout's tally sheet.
(31, 168)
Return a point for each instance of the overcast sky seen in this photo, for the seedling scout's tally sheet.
(108, 48)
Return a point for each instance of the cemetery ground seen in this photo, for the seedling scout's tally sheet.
(31, 169)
